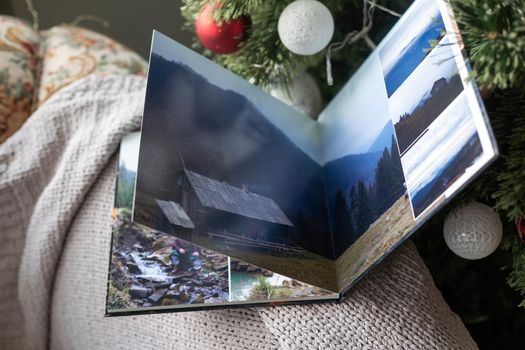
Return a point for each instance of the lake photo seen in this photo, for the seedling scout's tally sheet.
(252, 284)
(444, 153)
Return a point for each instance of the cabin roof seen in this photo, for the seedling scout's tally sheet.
(222, 196)
(175, 214)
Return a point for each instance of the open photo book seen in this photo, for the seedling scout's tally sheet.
(230, 197)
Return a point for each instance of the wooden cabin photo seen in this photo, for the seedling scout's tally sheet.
(205, 205)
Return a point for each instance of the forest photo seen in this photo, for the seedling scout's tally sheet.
(365, 184)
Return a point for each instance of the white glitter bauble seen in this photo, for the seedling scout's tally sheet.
(304, 95)
(305, 27)
(473, 231)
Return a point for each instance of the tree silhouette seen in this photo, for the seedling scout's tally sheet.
(343, 224)
(364, 210)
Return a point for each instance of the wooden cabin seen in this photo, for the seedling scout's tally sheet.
(216, 207)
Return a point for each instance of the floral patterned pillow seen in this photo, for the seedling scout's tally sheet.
(18, 71)
(34, 65)
(70, 53)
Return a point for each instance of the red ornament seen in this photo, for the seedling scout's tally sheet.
(520, 225)
(223, 38)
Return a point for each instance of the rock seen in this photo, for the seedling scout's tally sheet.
(157, 296)
(184, 297)
(178, 276)
(220, 266)
(138, 292)
(164, 285)
(287, 283)
(132, 267)
(295, 283)
(138, 247)
(251, 268)
(198, 299)
(214, 300)
(267, 273)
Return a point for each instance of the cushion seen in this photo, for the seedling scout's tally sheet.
(36, 64)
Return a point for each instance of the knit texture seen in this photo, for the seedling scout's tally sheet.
(57, 180)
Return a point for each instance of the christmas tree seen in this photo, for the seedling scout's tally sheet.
(493, 32)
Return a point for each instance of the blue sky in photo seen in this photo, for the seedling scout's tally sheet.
(357, 115)
(440, 63)
(401, 56)
(300, 129)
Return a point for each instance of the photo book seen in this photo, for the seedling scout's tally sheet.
(229, 197)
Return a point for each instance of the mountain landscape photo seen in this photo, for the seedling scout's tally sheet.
(444, 153)
(193, 125)
(361, 187)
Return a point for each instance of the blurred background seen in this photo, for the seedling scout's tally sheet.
(131, 21)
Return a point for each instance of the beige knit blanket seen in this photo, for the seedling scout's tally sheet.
(57, 180)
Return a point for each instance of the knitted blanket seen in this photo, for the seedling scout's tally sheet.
(57, 180)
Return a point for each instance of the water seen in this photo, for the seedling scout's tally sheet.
(242, 283)
(149, 269)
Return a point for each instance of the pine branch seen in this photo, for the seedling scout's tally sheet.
(494, 34)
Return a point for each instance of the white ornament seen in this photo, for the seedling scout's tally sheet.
(305, 27)
(473, 231)
(304, 95)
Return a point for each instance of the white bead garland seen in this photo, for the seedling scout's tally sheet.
(473, 231)
(305, 27)
(304, 95)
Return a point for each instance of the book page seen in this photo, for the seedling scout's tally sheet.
(154, 271)
(241, 168)
(405, 134)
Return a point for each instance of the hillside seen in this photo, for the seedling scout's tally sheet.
(222, 135)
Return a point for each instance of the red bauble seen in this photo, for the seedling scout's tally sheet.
(222, 38)
(520, 225)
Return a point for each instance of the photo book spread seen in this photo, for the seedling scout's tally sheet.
(228, 197)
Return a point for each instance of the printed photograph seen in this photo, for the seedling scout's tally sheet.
(368, 204)
(150, 268)
(226, 166)
(424, 95)
(252, 284)
(444, 153)
(410, 43)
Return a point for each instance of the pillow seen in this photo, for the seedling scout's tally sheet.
(34, 65)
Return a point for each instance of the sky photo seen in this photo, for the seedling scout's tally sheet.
(402, 52)
(357, 115)
(440, 63)
(299, 128)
